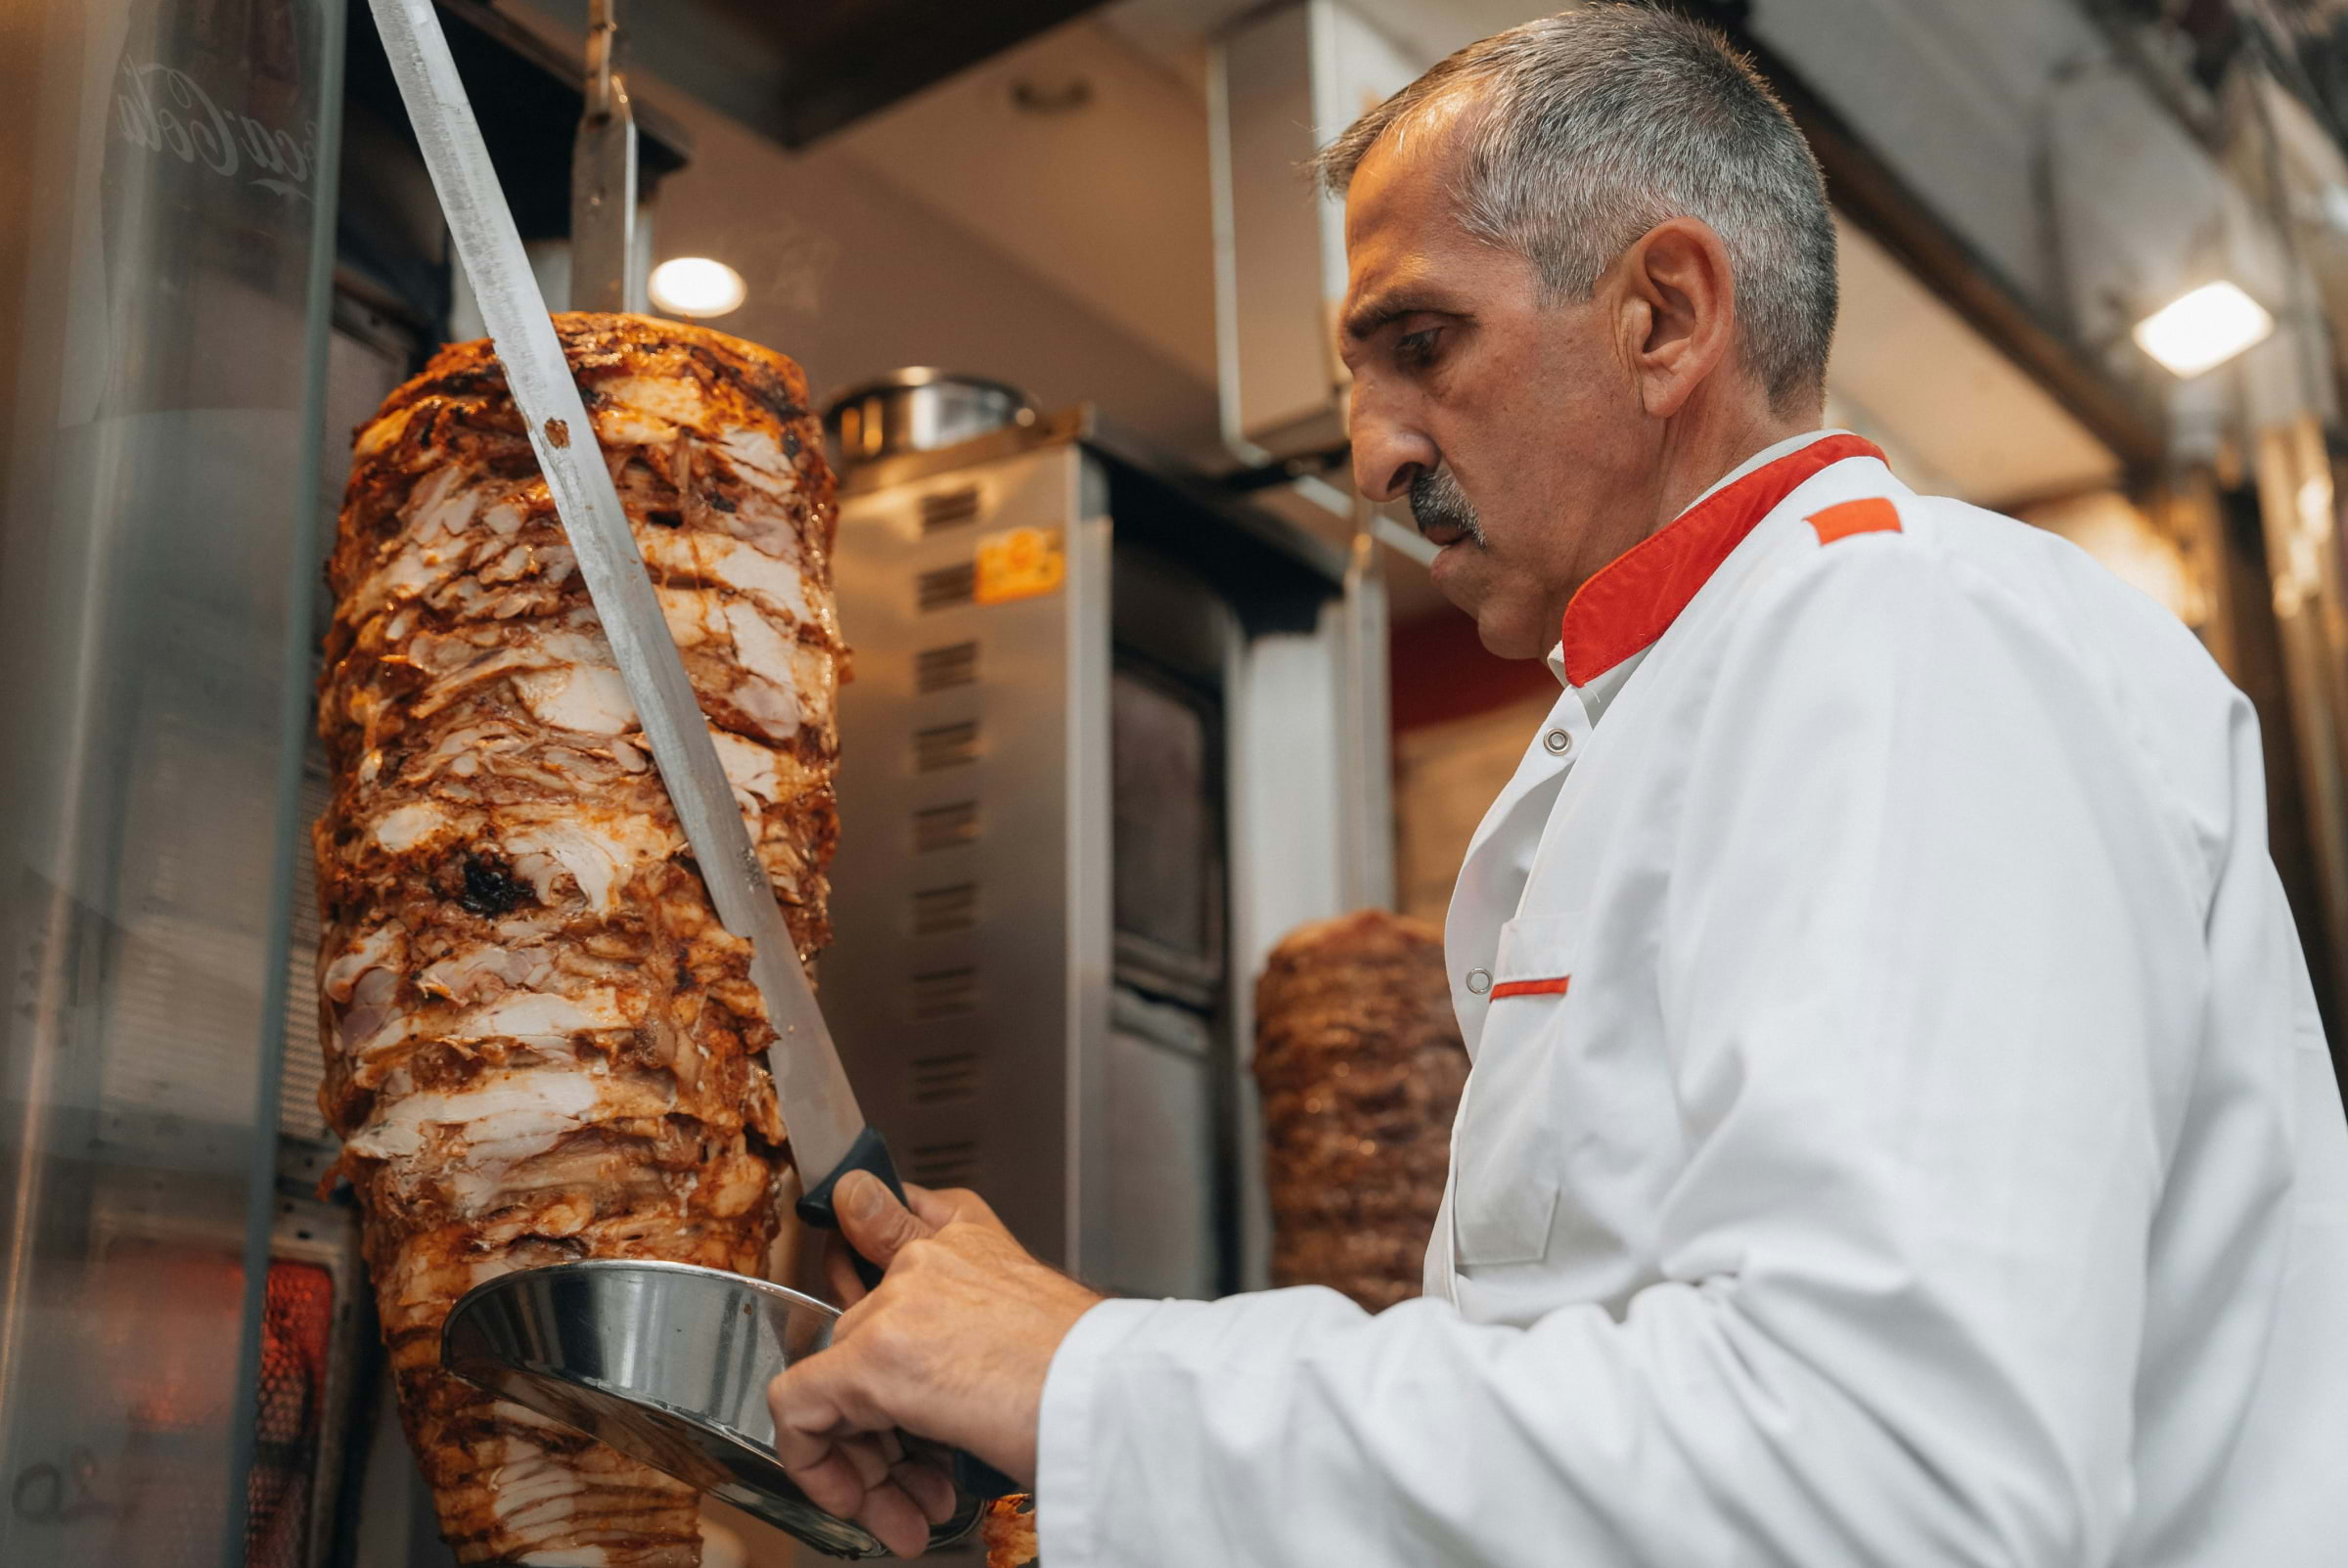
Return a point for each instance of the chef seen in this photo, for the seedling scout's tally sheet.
(1900, 1131)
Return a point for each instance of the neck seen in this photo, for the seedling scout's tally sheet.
(1696, 451)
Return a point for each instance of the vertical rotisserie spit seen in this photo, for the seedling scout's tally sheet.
(1359, 1061)
(541, 1044)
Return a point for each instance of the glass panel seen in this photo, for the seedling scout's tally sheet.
(160, 301)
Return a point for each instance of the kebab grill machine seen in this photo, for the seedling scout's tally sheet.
(1109, 735)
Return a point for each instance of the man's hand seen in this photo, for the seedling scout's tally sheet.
(953, 1345)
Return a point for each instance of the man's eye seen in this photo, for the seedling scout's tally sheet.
(1416, 348)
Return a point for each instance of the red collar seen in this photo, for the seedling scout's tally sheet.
(1636, 597)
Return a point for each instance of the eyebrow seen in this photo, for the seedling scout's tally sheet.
(1383, 310)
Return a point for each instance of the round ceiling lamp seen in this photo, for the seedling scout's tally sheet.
(696, 285)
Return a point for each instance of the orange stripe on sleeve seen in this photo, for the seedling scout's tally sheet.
(1872, 515)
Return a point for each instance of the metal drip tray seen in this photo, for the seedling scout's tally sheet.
(669, 1363)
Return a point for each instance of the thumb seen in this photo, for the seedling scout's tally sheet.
(872, 1219)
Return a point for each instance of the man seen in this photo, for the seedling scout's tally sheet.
(1900, 1132)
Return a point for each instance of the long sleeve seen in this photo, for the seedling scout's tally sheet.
(1930, 976)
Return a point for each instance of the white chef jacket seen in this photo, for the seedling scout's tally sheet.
(1900, 1131)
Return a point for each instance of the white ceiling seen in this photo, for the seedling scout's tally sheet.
(1110, 201)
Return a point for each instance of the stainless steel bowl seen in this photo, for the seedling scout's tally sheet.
(919, 410)
(669, 1363)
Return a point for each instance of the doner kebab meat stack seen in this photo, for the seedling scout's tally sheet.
(1360, 1065)
(541, 1044)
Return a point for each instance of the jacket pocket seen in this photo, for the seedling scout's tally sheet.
(1507, 1222)
(1534, 957)
(1508, 1141)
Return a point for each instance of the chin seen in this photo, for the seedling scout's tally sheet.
(1506, 630)
(1508, 636)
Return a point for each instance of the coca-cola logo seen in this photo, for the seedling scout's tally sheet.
(164, 110)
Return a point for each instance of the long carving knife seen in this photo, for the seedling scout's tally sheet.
(828, 1135)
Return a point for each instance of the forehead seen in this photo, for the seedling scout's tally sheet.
(1400, 222)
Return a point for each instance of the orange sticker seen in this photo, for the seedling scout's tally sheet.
(1020, 563)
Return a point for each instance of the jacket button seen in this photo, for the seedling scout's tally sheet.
(1557, 741)
(1479, 981)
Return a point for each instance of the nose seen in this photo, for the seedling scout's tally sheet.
(1389, 450)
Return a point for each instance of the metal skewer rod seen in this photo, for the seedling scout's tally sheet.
(603, 270)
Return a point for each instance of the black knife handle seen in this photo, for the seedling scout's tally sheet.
(972, 1475)
(868, 1153)
(981, 1479)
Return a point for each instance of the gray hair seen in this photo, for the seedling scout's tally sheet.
(1586, 129)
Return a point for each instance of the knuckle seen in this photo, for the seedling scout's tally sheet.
(888, 1340)
(877, 1349)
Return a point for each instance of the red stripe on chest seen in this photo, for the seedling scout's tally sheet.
(1532, 988)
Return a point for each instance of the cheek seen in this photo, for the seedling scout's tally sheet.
(1535, 414)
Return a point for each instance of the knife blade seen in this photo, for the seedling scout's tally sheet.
(827, 1131)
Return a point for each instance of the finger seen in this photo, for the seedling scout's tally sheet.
(875, 1223)
(946, 1207)
(831, 1394)
(887, 1512)
(930, 1487)
(831, 1484)
(872, 1464)
(840, 1269)
(802, 1427)
(821, 1415)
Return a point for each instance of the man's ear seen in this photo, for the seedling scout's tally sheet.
(1679, 315)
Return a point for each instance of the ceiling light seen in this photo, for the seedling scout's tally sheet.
(2204, 329)
(696, 285)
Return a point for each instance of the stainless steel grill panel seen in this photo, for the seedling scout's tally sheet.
(943, 993)
(947, 1076)
(946, 827)
(952, 1162)
(938, 668)
(962, 1014)
(945, 746)
(956, 583)
(1064, 761)
(936, 911)
(950, 508)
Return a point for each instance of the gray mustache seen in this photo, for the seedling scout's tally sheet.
(1437, 500)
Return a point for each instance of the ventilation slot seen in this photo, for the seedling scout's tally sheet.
(949, 509)
(945, 827)
(945, 1078)
(938, 911)
(948, 1164)
(948, 745)
(935, 669)
(947, 586)
(944, 994)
